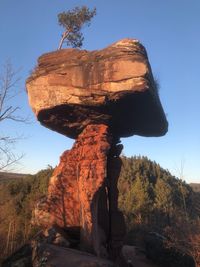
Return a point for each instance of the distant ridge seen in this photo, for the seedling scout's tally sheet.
(195, 187)
(4, 176)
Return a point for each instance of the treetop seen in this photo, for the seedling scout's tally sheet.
(73, 21)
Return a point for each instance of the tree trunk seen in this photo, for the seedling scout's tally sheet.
(64, 36)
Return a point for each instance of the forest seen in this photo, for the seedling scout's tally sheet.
(149, 196)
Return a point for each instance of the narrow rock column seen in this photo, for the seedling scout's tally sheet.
(116, 219)
(76, 195)
(94, 145)
(83, 193)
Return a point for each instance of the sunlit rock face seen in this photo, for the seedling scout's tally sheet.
(78, 192)
(72, 88)
(78, 184)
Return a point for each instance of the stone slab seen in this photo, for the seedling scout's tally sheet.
(72, 88)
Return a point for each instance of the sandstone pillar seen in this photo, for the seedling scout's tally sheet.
(77, 196)
(116, 219)
(94, 145)
(83, 192)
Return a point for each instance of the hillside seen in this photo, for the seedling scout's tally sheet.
(149, 196)
(4, 176)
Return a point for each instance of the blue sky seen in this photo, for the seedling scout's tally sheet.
(170, 32)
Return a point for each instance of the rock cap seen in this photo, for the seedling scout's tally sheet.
(72, 88)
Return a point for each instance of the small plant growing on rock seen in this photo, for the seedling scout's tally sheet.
(73, 21)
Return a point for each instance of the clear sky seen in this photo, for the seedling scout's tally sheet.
(170, 31)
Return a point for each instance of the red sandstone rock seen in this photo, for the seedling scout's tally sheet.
(72, 88)
(77, 184)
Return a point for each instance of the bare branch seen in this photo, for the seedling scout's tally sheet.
(7, 156)
(8, 111)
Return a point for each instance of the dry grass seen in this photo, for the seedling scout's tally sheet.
(185, 235)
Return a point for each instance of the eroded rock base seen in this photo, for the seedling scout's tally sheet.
(83, 194)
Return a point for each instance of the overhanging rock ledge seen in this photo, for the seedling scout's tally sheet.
(72, 88)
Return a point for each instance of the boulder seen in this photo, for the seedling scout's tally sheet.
(56, 235)
(72, 88)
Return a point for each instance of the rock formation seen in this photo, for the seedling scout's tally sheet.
(94, 97)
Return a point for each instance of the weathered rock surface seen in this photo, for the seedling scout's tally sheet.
(76, 186)
(83, 194)
(71, 88)
(50, 255)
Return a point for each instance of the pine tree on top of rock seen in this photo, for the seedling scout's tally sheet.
(73, 21)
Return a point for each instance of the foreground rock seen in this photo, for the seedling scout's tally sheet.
(51, 255)
(45, 254)
(73, 88)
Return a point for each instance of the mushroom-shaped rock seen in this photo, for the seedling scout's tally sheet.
(72, 88)
(95, 97)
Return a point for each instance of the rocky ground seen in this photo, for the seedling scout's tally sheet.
(137, 257)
